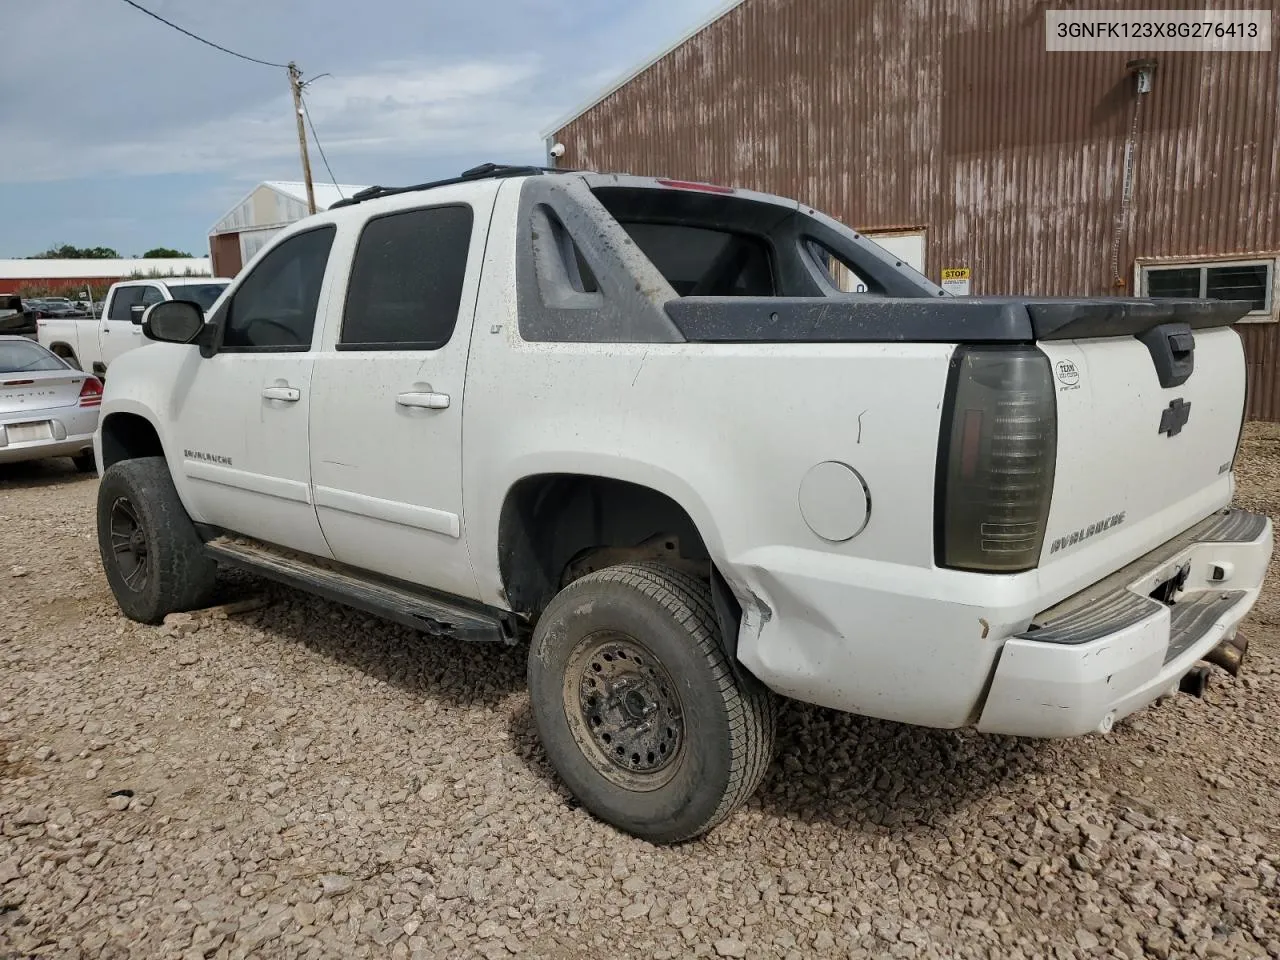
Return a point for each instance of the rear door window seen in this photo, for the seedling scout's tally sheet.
(406, 280)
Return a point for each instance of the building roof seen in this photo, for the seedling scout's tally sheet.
(327, 194)
(74, 269)
(628, 77)
(290, 206)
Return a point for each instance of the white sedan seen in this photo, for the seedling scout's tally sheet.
(47, 408)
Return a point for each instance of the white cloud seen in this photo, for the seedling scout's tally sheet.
(399, 109)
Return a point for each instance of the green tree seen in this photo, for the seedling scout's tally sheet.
(65, 251)
(164, 253)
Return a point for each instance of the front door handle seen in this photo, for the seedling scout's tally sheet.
(429, 401)
(287, 394)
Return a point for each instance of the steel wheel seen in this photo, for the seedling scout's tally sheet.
(624, 711)
(129, 544)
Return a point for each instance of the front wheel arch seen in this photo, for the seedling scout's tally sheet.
(128, 436)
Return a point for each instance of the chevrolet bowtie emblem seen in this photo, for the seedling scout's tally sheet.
(1175, 417)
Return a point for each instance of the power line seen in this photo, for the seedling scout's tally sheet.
(316, 137)
(210, 43)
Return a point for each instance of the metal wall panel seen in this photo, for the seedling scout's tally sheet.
(224, 248)
(951, 116)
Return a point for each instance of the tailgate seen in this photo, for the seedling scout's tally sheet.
(1150, 405)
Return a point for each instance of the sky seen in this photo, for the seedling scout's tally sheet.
(117, 131)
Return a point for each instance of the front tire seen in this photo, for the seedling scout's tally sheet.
(153, 557)
(640, 711)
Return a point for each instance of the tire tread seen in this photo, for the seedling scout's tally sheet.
(185, 574)
(751, 707)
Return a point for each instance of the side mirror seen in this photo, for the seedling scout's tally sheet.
(173, 321)
(136, 312)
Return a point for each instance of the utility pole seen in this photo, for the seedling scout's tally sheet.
(295, 87)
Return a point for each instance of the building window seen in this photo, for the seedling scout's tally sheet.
(1252, 280)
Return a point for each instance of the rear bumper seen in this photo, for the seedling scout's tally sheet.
(71, 428)
(1111, 650)
(942, 648)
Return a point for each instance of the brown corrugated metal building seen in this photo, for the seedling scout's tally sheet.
(948, 120)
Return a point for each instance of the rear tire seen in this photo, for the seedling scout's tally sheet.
(85, 463)
(640, 711)
(153, 558)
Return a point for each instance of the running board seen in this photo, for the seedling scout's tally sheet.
(394, 600)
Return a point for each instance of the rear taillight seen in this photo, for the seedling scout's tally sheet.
(995, 459)
(91, 392)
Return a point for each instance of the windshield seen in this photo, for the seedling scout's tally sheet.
(18, 356)
(201, 293)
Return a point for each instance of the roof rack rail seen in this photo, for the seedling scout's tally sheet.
(485, 171)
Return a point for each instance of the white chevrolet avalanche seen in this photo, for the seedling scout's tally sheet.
(638, 424)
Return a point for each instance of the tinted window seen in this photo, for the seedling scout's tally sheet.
(701, 262)
(201, 293)
(275, 306)
(122, 300)
(150, 295)
(1243, 282)
(1174, 283)
(17, 356)
(406, 279)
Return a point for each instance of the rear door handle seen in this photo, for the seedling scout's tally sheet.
(287, 394)
(429, 401)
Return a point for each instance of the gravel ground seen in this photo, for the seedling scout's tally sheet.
(305, 781)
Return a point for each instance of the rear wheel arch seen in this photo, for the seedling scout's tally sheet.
(554, 528)
(65, 351)
(128, 436)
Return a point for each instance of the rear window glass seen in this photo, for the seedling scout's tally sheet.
(19, 357)
(703, 262)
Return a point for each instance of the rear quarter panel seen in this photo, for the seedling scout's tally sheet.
(727, 430)
(52, 331)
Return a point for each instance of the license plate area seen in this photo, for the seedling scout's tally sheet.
(29, 432)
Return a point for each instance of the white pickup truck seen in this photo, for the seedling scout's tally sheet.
(636, 422)
(92, 343)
